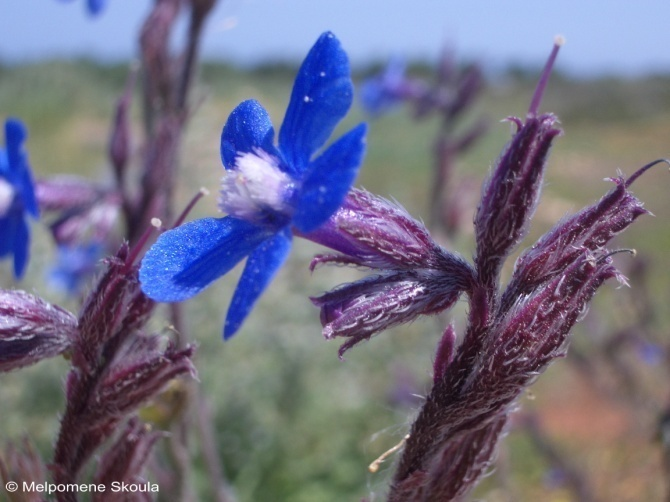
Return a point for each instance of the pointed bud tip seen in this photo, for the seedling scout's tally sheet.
(445, 353)
(544, 78)
(644, 169)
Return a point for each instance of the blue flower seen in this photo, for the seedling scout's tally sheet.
(95, 7)
(383, 92)
(17, 197)
(75, 265)
(267, 191)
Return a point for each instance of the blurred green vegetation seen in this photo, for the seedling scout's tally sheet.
(292, 421)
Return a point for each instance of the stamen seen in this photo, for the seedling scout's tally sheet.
(544, 78)
(612, 253)
(643, 169)
(142, 241)
(201, 193)
(374, 466)
(255, 187)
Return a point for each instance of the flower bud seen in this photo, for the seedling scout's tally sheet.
(103, 309)
(32, 329)
(373, 232)
(590, 229)
(22, 465)
(445, 353)
(119, 141)
(154, 45)
(468, 88)
(534, 331)
(124, 460)
(510, 195)
(360, 309)
(92, 223)
(63, 193)
(139, 372)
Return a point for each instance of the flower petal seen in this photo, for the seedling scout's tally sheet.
(248, 127)
(21, 245)
(18, 172)
(95, 7)
(15, 239)
(27, 189)
(185, 260)
(7, 225)
(321, 96)
(15, 135)
(261, 267)
(4, 163)
(331, 177)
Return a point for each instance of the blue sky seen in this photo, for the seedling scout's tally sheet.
(620, 37)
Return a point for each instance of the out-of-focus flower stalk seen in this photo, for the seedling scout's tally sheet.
(451, 97)
(166, 83)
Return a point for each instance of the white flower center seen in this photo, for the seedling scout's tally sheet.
(6, 196)
(256, 188)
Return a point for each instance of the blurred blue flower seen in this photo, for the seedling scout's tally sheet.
(383, 92)
(555, 478)
(267, 191)
(650, 353)
(17, 197)
(74, 266)
(94, 7)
